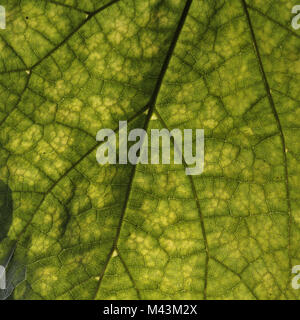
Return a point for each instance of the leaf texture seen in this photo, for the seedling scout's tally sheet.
(84, 231)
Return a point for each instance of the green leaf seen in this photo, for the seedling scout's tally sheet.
(84, 231)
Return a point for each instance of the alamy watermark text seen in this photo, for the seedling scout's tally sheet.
(159, 145)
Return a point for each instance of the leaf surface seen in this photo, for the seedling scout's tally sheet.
(86, 231)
